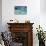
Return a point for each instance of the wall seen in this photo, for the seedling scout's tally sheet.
(43, 6)
(34, 14)
(33, 8)
(0, 15)
(43, 14)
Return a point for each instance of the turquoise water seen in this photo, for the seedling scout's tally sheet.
(20, 10)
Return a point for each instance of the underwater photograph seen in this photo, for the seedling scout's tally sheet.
(20, 10)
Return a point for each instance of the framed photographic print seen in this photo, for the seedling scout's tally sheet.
(20, 10)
